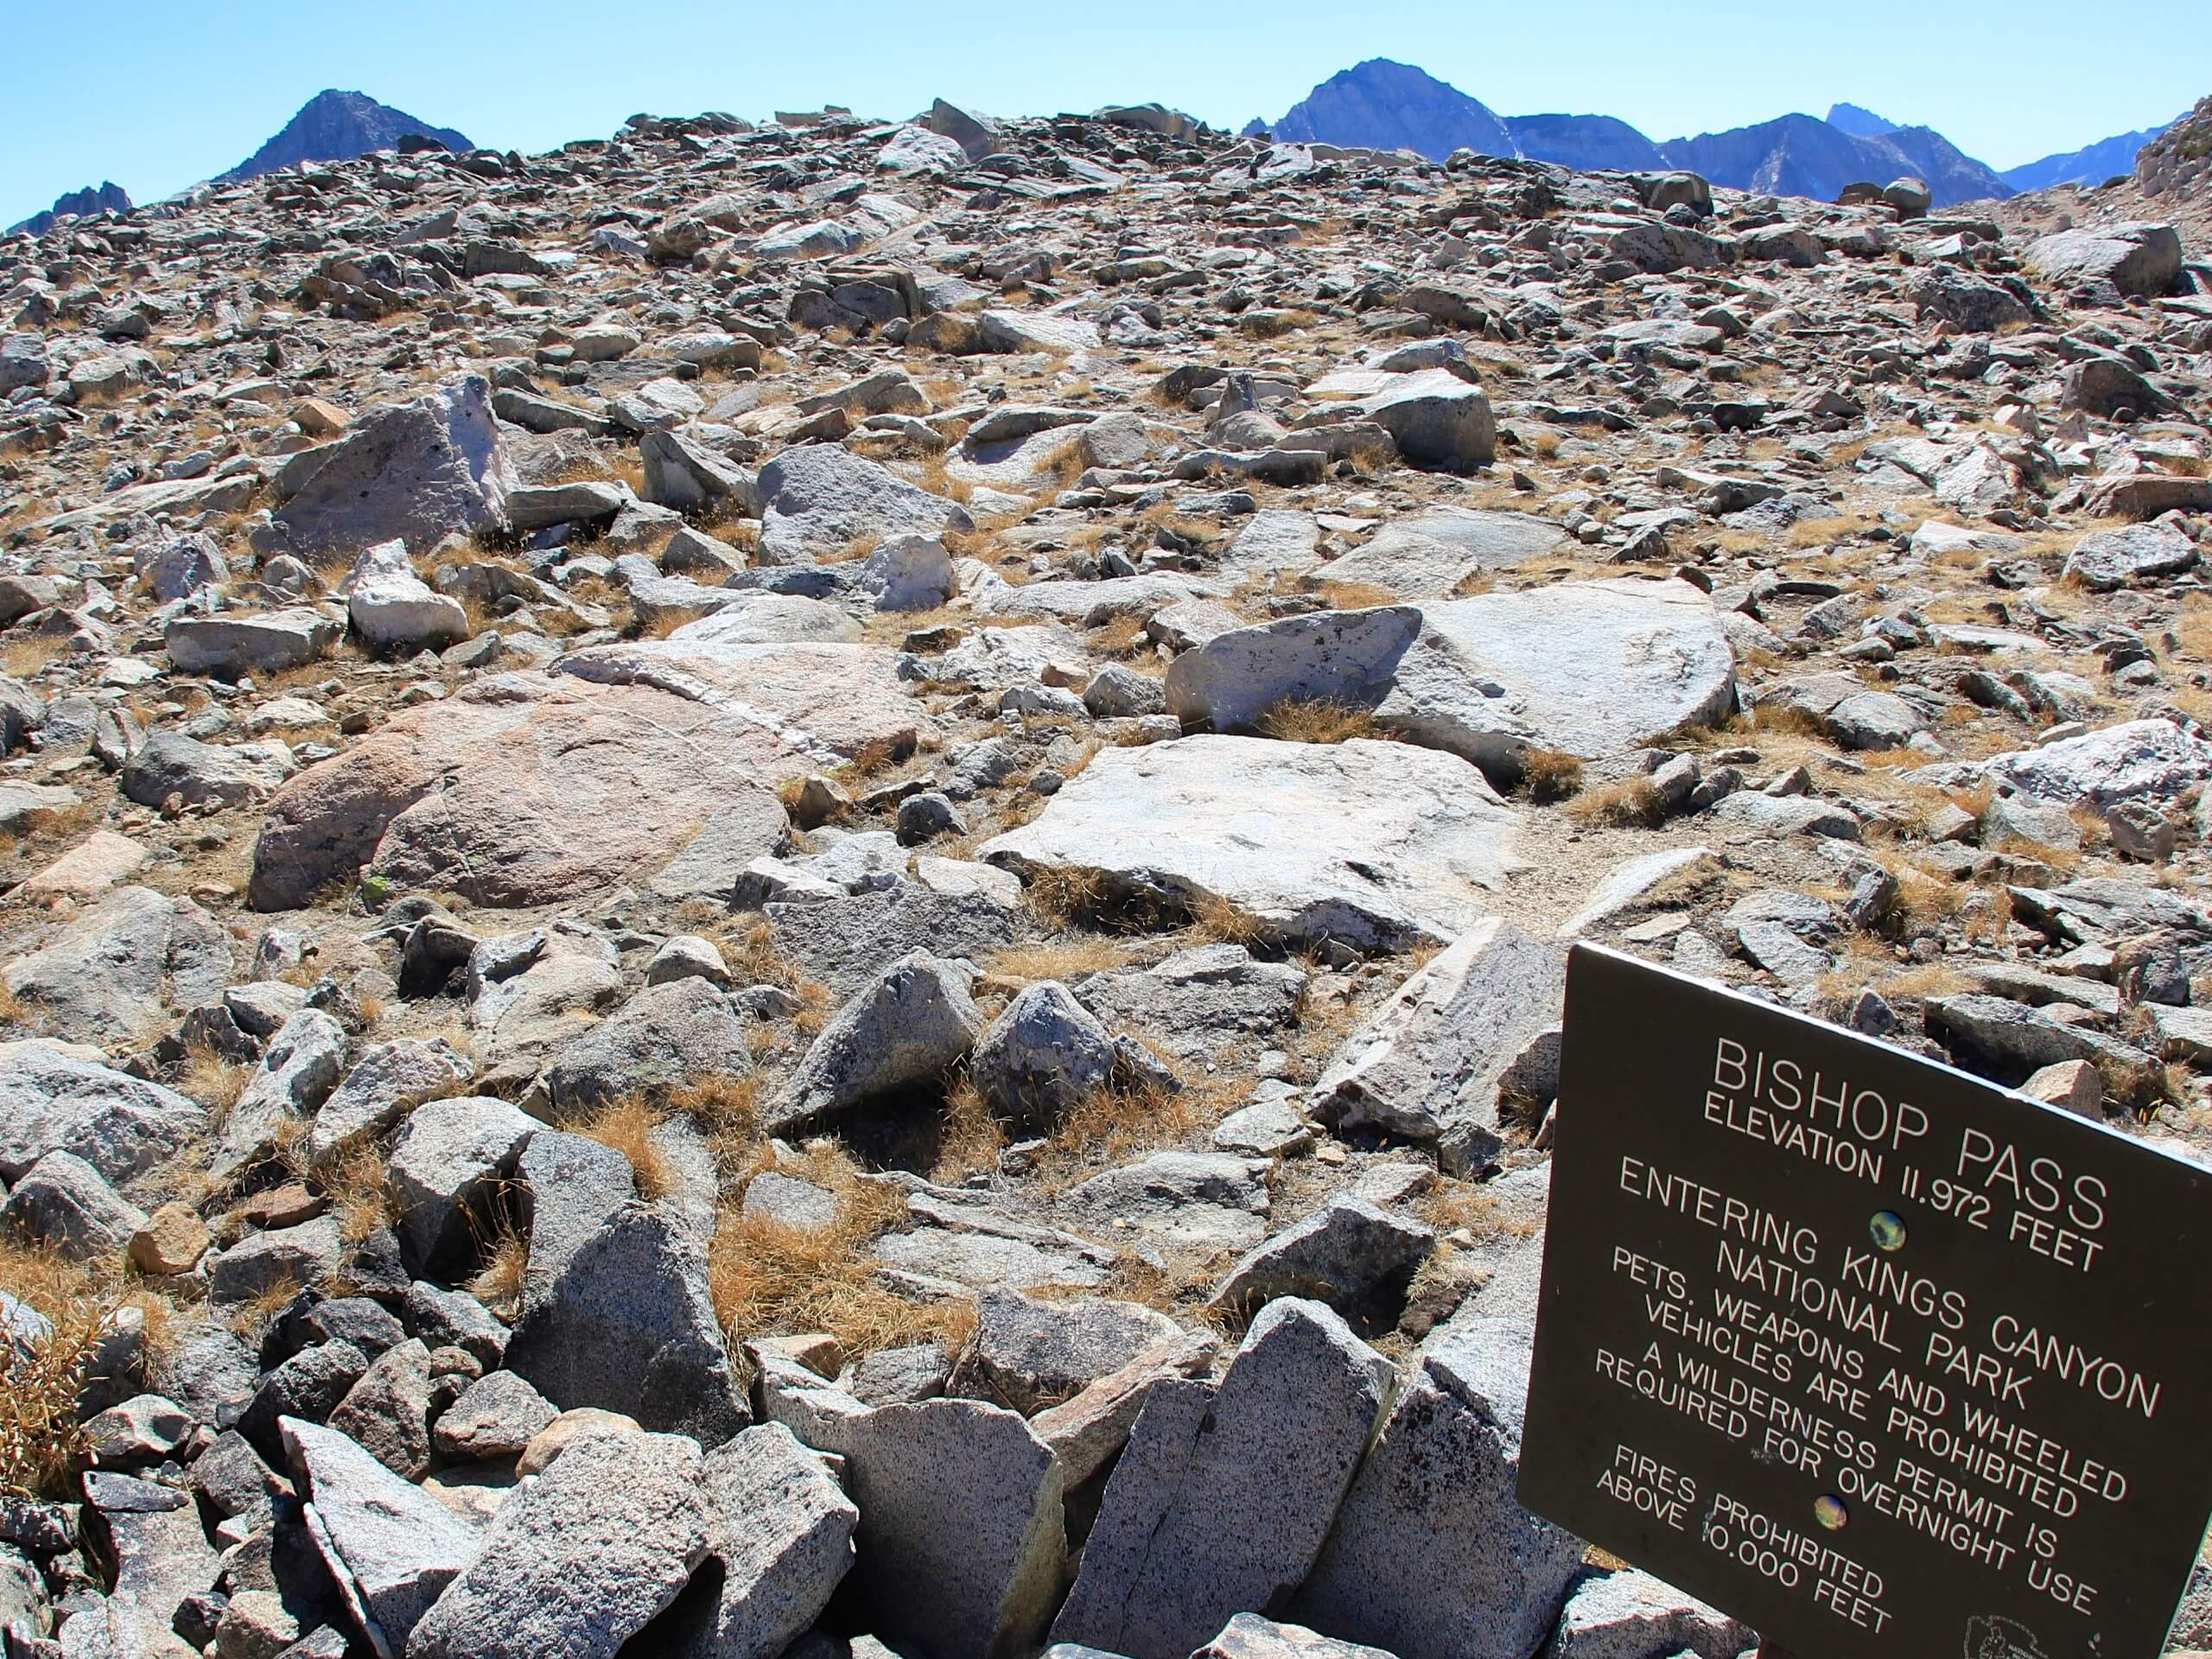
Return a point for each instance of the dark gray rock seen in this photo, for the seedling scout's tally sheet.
(580, 1560)
(1345, 1253)
(392, 1547)
(628, 1326)
(1186, 1535)
(667, 1037)
(1430, 1064)
(903, 1030)
(1432, 1556)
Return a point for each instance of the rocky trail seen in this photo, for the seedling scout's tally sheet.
(802, 890)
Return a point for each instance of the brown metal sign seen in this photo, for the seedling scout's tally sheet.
(1870, 1354)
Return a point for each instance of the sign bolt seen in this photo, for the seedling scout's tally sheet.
(1831, 1513)
(1887, 1228)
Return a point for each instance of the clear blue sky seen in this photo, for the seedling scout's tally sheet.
(157, 94)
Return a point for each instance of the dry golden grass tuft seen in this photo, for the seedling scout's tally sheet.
(769, 1279)
(726, 1110)
(16, 1015)
(1865, 962)
(22, 658)
(1353, 595)
(626, 1126)
(41, 1442)
(1122, 636)
(1112, 1125)
(1067, 894)
(360, 1185)
(252, 1317)
(859, 548)
(1628, 803)
(1549, 774)
(1067, 957)
(1315, 720)
(506, 1254)
(1820, 532)
(877, 757)
(1216, 920)
(971, 1137)
(1453, 1206)
(213, 1081)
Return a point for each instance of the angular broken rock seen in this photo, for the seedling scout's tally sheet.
(782, 1531)
(1043, 1055)
(1197, 999)
(1343, 1255)
(62, 1203)
(819, 498)
(2136, 258)
(905, 1030)
(1436, 418)
(628, 1326)
(1610, 1614)
(390, 1547)
(1427, 555)
(667, 1037)
(1591, 669)
(1034, 1353)
(444, 1157)
(960, 1542)
(1087, 1430)
(497, 1417)
(387, 1412)
(53, 1101)
(2137, 759)
(296, 1074)
(239, 643)
(381, 1086)
(410, 472)
(581, 1561)
(393, 607)
(1248, 1636)
(1428, 1065)
(1432, 1556)
(109, 973)
(1186, 1535)
(1375, 844)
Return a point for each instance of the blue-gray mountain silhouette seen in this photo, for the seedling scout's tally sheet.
(335, 126)
(109, 198)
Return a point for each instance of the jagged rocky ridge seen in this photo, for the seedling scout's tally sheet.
(802, 891)
(108, 198)
(1385, 105)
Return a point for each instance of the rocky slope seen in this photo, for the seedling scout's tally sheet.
(2171, 181)
(108, 198)
(802, 890)
(335, 126)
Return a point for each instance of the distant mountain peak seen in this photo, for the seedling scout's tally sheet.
(2089, 166)
(108, 198)
(1385, 105)
(1860, 123)
(336, 126)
